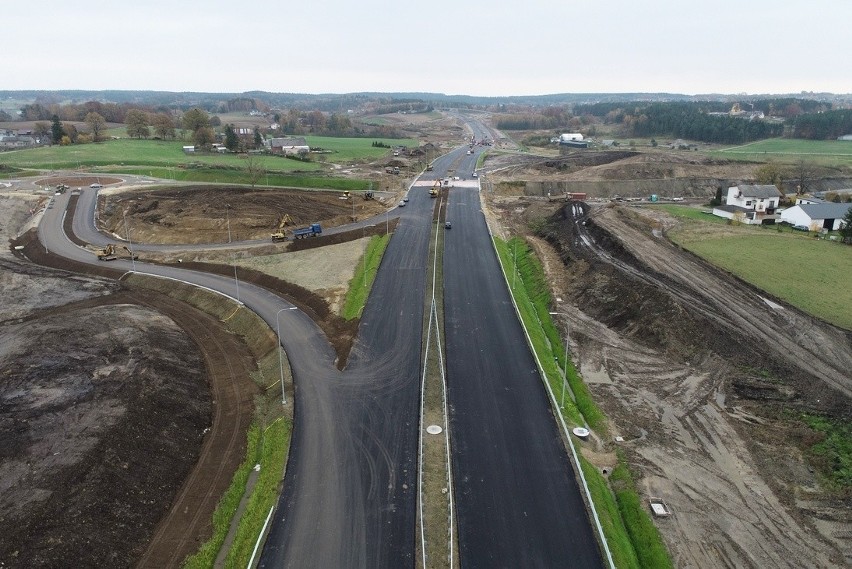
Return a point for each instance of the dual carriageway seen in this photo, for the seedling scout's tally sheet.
(351, 487)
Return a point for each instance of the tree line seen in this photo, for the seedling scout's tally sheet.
(823, 126)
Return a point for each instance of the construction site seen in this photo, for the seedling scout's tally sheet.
(109, 392)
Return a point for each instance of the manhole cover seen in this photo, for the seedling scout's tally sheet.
(434, 430)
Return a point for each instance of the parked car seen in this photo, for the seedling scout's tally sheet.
(801, 228)
(401, 204)
(96, 186)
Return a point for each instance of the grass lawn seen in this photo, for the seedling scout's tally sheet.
(811, 274)
(691, 212)
(823, 152)
(169, 154)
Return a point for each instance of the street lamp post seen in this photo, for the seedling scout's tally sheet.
(565, 367)
(233, 255)
(281, 353)
(129, 242)
(364, 234)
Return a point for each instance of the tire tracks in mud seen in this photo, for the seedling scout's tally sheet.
(187, 524)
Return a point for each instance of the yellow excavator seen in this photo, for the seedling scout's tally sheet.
(435, 189)
(107, 253)
(281, 234)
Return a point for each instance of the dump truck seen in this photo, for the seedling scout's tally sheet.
(312, 230)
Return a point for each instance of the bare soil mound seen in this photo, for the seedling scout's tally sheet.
(99, 428)
(204, 214)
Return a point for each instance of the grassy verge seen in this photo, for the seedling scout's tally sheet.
(227, 507)
(365, 274)
(647, 542)
(617, 537)
(271, 455)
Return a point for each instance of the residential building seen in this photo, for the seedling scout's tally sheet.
(285, 146)
(816, 217)
(751, 204)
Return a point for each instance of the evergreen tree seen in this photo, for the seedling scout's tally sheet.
(846, 230)
(231, 140)
(56, 130)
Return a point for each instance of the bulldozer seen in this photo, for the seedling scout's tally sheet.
(107, 253)
(281, 234)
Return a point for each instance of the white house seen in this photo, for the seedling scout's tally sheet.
(570, 137)
(828, 216)
(753, 205)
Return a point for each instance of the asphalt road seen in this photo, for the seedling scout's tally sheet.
(518, 503)
(350, 489)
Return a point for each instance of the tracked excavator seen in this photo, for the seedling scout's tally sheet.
(435, 189)
(107, 253)
(281, 234)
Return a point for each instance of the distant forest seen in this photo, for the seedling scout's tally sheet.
(816, 116)
(705, 121)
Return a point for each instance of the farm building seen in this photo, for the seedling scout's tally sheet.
(295, 145)
(828, 216)
(753, 205)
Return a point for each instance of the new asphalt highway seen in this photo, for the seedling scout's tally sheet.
(517, 500)
(350, 488)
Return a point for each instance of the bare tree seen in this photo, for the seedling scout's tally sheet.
(803, 173)
(254, 169)
(96, 124)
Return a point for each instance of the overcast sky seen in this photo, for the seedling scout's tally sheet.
(469, 47)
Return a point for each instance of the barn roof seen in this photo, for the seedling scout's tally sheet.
(826, 210)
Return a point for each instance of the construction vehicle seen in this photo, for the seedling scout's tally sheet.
(107, 253)
(312, 230)
(428, 167)
(435, 189)
(368, 195)
(280, 235)
(345, 195)
(129, 252)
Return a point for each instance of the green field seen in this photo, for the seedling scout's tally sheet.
(811, 274)
(169, 154)
(823, 152)
(690, 212)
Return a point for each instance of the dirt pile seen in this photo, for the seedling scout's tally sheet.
(204, 214)
(99, 429)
